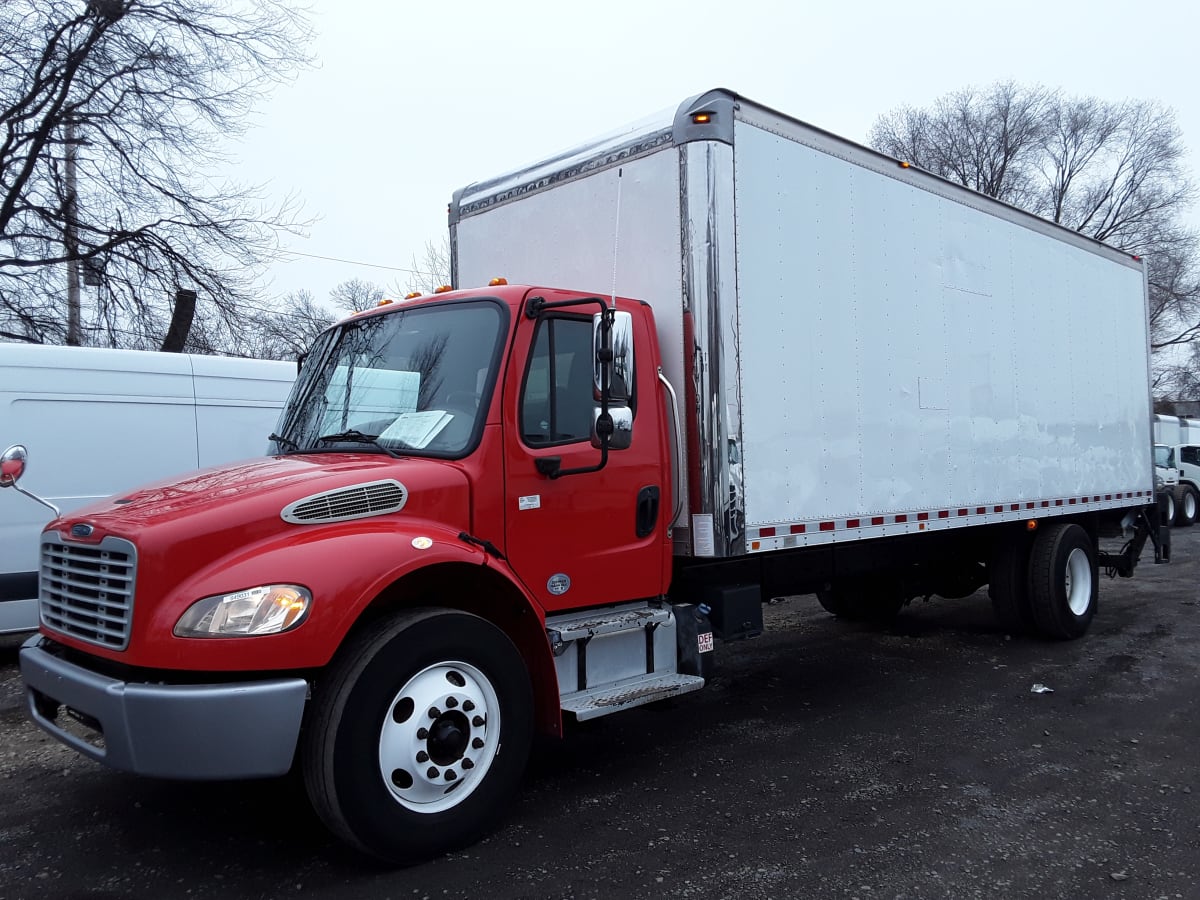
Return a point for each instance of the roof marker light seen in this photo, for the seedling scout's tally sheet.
(442, 288)
(496, 282)
(384, 302)
(905, 165)
(411, 294)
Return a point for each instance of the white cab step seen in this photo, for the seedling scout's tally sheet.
(628, 693)
(608, 621)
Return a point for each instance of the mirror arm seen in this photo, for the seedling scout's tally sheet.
(46, 503)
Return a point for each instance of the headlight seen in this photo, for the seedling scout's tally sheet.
(268, 609)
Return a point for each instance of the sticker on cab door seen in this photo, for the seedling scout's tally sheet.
(558, 584)
(533, 501)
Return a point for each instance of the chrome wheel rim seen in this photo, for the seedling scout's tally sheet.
(439, 737)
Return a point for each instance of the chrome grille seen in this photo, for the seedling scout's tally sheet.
(375, 498)
(86, 590)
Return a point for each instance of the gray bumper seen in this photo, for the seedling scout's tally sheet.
(210, 731)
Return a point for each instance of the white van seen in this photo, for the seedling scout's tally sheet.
(96, 422)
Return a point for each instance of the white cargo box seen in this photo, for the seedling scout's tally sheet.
(865, 349)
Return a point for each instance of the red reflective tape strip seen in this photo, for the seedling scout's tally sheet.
(962, 512)
(943, 513)
(980, 510)
(1029, 505)
(1058, 502)
(997, 509)
(766, 532)
(1045, 503)
(877, 520)
(852, 523)
(797, 529)
(826, 526)
(921, 517)
(901, 519)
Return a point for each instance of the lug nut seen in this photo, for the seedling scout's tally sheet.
(434, 712)
(467, 764)
(477, 721)
(422, 733)
(477, 743)
(451, 775)
(468, 706)
(451, 703)
(422, 756)
(432, 772)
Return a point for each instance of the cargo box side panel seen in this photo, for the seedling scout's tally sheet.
(910, 362)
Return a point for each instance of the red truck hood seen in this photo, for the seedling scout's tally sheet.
(249, 497)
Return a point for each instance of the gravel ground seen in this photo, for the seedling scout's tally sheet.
(825, 760)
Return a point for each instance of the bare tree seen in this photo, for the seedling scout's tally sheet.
(113, 112)
(356, 295)
(1112, 171)
(429, 271)
(285, 333)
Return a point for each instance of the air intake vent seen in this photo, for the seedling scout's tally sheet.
(375, 498)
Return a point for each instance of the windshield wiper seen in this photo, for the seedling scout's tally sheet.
(280, 439)
(357, 437)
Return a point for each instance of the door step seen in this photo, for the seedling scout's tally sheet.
(628, 693)
(563, 629)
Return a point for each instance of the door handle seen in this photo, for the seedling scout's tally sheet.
(647, 510)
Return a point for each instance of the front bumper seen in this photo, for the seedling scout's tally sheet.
(189, 731)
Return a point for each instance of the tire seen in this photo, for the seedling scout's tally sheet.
(418, 734)
(1167, 506)
(1187, 507)
(1008, 585)
(877, 600)
(1064, 581)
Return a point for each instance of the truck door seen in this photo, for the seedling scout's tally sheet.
(586, 539)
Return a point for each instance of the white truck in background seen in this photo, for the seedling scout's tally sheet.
(1177, 460)
(98, 421)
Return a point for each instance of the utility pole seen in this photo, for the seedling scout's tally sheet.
(71, 240)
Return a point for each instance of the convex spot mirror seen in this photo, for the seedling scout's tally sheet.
(12, 465)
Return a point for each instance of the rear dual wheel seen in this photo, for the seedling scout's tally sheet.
(1049, 585)
(418, 734)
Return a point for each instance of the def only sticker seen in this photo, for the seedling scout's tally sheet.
(558, 584)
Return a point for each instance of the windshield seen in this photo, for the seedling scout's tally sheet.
(412, 380)
(1164, 456)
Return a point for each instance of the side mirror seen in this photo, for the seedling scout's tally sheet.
(612, 346)
(12, 465)
(612, 379)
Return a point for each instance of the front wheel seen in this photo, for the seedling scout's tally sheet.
(419, 734)
(1064, 581)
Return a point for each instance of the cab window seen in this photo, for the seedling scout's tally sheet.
(557, 400)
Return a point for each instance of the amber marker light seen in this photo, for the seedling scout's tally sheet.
(701, 118)
(1031, 525)
(384, 302)
(412, 294)
(497, 282)
(905, 165)
(442, 289)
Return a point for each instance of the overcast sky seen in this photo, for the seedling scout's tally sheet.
(411, 101)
